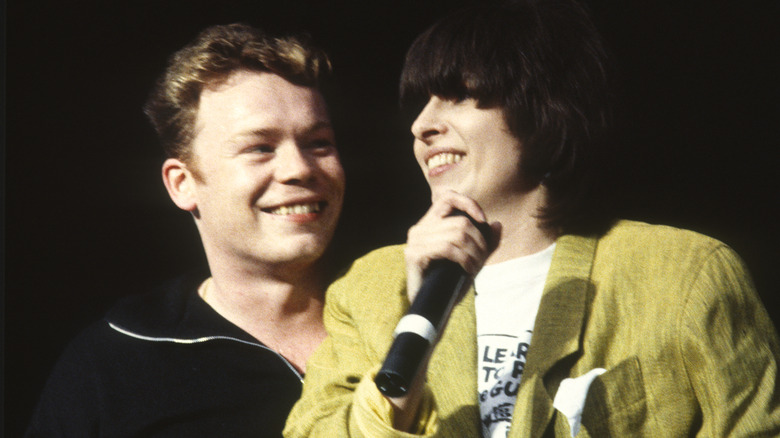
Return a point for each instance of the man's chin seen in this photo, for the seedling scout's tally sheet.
(301, 251)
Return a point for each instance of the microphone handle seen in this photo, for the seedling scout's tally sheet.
(437, 295)
(418, 330)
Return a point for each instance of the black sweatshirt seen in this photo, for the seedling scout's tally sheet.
(166, 364)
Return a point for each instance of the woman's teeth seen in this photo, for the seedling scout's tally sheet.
(442, 159)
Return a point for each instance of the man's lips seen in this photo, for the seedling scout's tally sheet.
(296, 208)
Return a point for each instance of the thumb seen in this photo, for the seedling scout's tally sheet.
(413, 282)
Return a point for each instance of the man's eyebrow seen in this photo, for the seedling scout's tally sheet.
(276, 132)
(260, 132)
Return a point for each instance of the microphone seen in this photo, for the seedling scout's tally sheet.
(416, 332)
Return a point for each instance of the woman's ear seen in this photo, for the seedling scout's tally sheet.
(180, 183)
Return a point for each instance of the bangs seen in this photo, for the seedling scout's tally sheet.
(455, 59)
(543, 63)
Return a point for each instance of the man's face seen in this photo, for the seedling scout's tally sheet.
(270, 185)
(469, 150)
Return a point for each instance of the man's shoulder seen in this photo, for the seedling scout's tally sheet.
(91, 342)
(161, 303)
(100, 341)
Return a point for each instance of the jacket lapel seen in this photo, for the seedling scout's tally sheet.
(556, 341)
(458, 384)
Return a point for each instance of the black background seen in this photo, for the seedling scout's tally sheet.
(87, 219)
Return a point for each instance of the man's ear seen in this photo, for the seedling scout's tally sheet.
(180, 183)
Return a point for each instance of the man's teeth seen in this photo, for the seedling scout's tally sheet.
(296, 209)
(442, 159)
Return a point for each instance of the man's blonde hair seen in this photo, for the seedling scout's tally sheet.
(209, 60)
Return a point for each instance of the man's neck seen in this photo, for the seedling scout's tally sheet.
(282, 312)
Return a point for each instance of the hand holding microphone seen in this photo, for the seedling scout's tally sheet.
(416, 333)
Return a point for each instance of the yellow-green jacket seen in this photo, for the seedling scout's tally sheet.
(670, 314)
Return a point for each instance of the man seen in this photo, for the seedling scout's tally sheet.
(252, 156)
(576, 325)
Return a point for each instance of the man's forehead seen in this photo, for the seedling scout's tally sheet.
(260, 103)
(266, 83)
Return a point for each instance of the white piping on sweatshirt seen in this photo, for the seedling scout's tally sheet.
(203, 339)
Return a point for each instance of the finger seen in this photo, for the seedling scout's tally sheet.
(470, 250)
(458, 240)
(448, 201)
(436, 237)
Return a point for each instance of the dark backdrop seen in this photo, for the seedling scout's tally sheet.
(88, 220)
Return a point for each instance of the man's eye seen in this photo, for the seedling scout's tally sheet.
(262, 149)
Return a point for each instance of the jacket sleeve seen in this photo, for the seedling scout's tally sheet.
(339, 396)
(731, 351)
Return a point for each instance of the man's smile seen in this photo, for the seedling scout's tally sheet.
(301, 208)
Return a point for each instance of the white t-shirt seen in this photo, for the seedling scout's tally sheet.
(508, 296)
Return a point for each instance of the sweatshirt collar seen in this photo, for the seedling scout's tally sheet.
(173, 312)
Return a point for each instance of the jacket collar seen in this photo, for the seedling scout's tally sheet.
(556, 342)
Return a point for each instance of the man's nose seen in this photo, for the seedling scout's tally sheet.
(293, 164)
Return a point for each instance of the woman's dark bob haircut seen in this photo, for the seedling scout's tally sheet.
(545, 65)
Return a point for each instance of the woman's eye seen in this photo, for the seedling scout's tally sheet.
(322, 145)
(464, 96)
